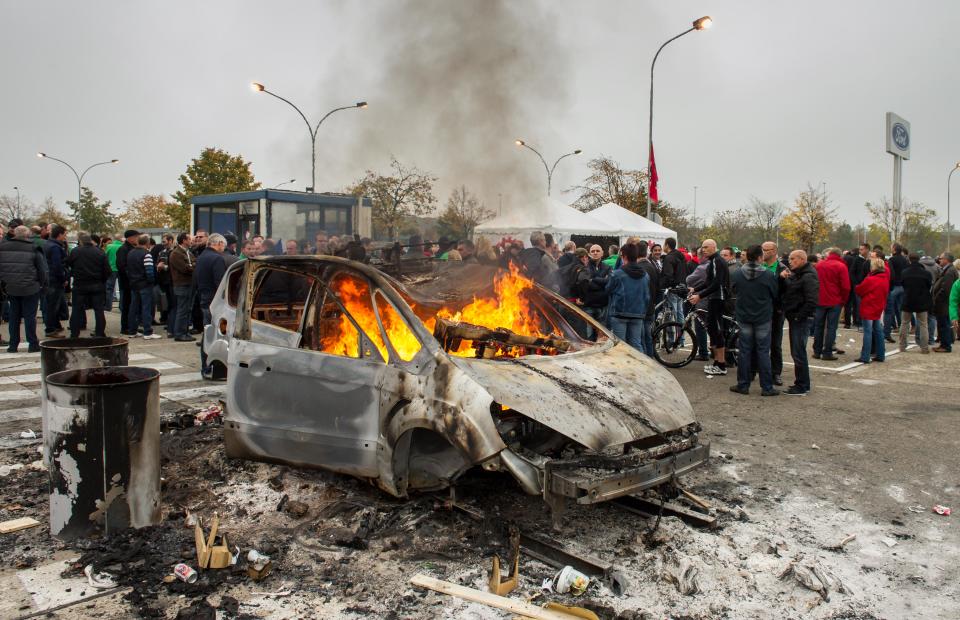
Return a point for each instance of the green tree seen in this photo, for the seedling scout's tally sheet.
(214, 172)
(463, 213)
(91, 215)
(149, 211)
(407, 191)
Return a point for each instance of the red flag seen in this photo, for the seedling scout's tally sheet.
(654, 196)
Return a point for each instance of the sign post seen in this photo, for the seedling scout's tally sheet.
(898, 145)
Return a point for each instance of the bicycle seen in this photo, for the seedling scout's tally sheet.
(670, 350)
(664, 312)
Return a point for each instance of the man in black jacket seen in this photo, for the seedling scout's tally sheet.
(23, 271)
(140, 276)
(918, 300)
(891, 314)
(716, 290)
(55, 253)
(941, 301)
(673, 272)
(592, 286)
(123, 283)
(211, 266)
(91, 270)
(800, 295)
(859, 265)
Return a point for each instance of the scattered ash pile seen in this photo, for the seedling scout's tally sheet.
(339, 548)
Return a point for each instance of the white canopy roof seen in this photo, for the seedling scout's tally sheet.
(630, 224)
(550, 216)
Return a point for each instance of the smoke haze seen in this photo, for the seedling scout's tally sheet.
(458, 82)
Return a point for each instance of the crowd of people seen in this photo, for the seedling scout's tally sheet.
(763, 291)
(620, 287)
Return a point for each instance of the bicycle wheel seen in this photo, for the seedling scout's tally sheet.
(667, 348)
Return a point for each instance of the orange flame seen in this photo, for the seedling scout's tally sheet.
(508, 307)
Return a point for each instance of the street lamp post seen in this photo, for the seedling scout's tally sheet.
(79, 176)
(260, 88)
(952, 170)
(549, 169)
(18, 199)
(700, 24)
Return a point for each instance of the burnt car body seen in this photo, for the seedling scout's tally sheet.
(333, 364)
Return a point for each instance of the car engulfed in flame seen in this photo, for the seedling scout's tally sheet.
(334, 364)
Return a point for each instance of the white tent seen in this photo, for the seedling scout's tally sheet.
(550, 216)
(630, 224)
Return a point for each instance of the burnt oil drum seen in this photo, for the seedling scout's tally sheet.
(58, 354)
(102, 449)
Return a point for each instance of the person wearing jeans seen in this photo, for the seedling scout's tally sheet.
(800, 294)
(917, 302)
(834, 276)
(891, 318)
(182, 265)
(873, 292)
(942, 286)
(23, 270)
(140, 275)
(826, 319)
(756, 289)
(55, 297)
(628, 295)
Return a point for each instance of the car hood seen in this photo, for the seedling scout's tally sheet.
(598, 398)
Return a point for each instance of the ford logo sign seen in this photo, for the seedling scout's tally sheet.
(901, 137)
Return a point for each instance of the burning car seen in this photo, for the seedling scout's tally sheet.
(336, 365)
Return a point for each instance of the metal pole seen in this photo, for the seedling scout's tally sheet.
(18, 200)
(310, 129)
(948, 203)
(694, 207)
(549, 170)
(650, 124)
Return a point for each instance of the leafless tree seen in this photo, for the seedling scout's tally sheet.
(10, 208)
(608, 182)
(463, 213)
(765, 216)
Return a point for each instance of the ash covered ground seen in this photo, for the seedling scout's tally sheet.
(342, 549)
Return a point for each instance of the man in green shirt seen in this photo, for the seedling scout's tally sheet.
(111, 252)
(771, 262)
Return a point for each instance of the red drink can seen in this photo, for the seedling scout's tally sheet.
(185, 573)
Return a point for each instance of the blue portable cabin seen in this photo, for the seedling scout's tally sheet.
(281, 214)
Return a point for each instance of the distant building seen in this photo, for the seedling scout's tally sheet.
(281, 214)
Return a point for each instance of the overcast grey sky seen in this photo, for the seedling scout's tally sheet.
(776, 94)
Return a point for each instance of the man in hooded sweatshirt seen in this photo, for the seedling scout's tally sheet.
(628, 294)
(756, 289)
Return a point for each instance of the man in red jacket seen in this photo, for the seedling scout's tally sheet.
(834, 290)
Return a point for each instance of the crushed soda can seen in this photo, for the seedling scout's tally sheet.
(942, 510)
(208, 414)
(185, 573)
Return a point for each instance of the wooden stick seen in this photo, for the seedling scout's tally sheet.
(486, 598)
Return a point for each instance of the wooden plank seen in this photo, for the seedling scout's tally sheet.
(15, 525)
(486, 598)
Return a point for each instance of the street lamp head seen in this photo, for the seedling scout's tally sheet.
(703, 23)
(41, 155)
(577, 152)
(257, 86)
(519, 142)
(361, 104)
(114, 161)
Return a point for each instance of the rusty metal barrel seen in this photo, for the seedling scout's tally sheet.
(102, 449)
(58, 354)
